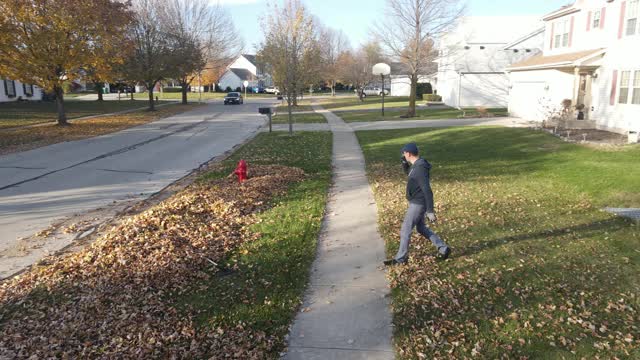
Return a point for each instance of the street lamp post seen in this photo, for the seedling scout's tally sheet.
(382, 69)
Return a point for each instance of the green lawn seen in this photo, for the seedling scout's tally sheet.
(303, 105)
(422, 113)
(267, 289)
(538, 270)
(299, 118)
(16, 114)
(339, 103)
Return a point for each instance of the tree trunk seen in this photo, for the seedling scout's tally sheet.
(412, 97)
(151, 99)
(295, 96)
(333, 88)
(184, 86)
(99, 86)
(290, 115)
(132, 89)
(62, 115)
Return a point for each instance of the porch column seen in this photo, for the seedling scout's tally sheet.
(576, 85)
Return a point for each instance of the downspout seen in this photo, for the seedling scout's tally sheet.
(460, 93)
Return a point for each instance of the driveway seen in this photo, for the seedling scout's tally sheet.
(49, 184)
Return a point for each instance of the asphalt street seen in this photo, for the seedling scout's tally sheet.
(48, 184)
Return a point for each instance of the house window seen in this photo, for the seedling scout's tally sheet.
(28, 89)
(562, 35)
(624, 87)
(636, 88)
(632, 17)
(596, 19)
(10, 88)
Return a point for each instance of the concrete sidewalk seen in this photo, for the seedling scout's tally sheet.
(346, 312)
(408, 124)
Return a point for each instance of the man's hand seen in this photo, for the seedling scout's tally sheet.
(432, 217)
(405, 165)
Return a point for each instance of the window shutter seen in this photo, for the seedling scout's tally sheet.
(623, 7)
(602, 17)
(6, 87)
(589, 21)
(571, 31)
(614, 85)
(551, 41)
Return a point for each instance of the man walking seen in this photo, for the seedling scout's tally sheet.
(420, 199)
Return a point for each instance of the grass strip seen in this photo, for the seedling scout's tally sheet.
(22, 139)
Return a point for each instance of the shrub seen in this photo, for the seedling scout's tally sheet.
(238, 89)
(423, 89)
(482, 111)
(228, 89)
(432, 97)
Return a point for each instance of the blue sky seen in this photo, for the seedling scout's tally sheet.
(356, 17)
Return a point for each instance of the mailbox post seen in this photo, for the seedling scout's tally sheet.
(266, 111)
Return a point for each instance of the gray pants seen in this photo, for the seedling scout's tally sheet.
(415, 218)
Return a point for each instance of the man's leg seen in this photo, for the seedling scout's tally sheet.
(435, 239)
(414, 212)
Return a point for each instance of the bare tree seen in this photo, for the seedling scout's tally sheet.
(334, 43)
(153, 58)
(409, 31)
(355, 67)
(200, 33)
(287, 49)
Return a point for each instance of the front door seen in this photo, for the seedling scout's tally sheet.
(584, 93)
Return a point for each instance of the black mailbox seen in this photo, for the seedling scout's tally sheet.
(264, 110)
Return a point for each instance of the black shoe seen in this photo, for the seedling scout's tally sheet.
(446, 254)
(391, 262)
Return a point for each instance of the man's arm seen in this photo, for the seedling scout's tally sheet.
(422, 177)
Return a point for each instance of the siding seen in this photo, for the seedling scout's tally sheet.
(37, 93)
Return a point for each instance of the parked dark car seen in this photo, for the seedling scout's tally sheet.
(233, 98)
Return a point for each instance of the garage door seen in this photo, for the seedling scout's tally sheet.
(526, 100)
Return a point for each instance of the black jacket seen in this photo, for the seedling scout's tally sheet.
(418, 185)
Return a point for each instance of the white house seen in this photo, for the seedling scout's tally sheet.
(400, 83)
(11, 90)
(244, 68)
(473, 58)
(591, 57)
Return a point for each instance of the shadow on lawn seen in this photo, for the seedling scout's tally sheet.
(583, 229)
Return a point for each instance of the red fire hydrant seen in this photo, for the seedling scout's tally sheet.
(241, 171)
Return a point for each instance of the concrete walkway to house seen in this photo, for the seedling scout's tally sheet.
(346, 313)
(408, 124)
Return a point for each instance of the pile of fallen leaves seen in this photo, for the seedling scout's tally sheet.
(113, 298)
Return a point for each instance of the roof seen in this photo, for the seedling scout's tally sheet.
(243, 74)
(398, 68)
(554, 61)
(251, 58)
(489, 30)
(566, 9)
(520, 40)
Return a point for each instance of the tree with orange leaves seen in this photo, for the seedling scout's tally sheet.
(47, 42)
